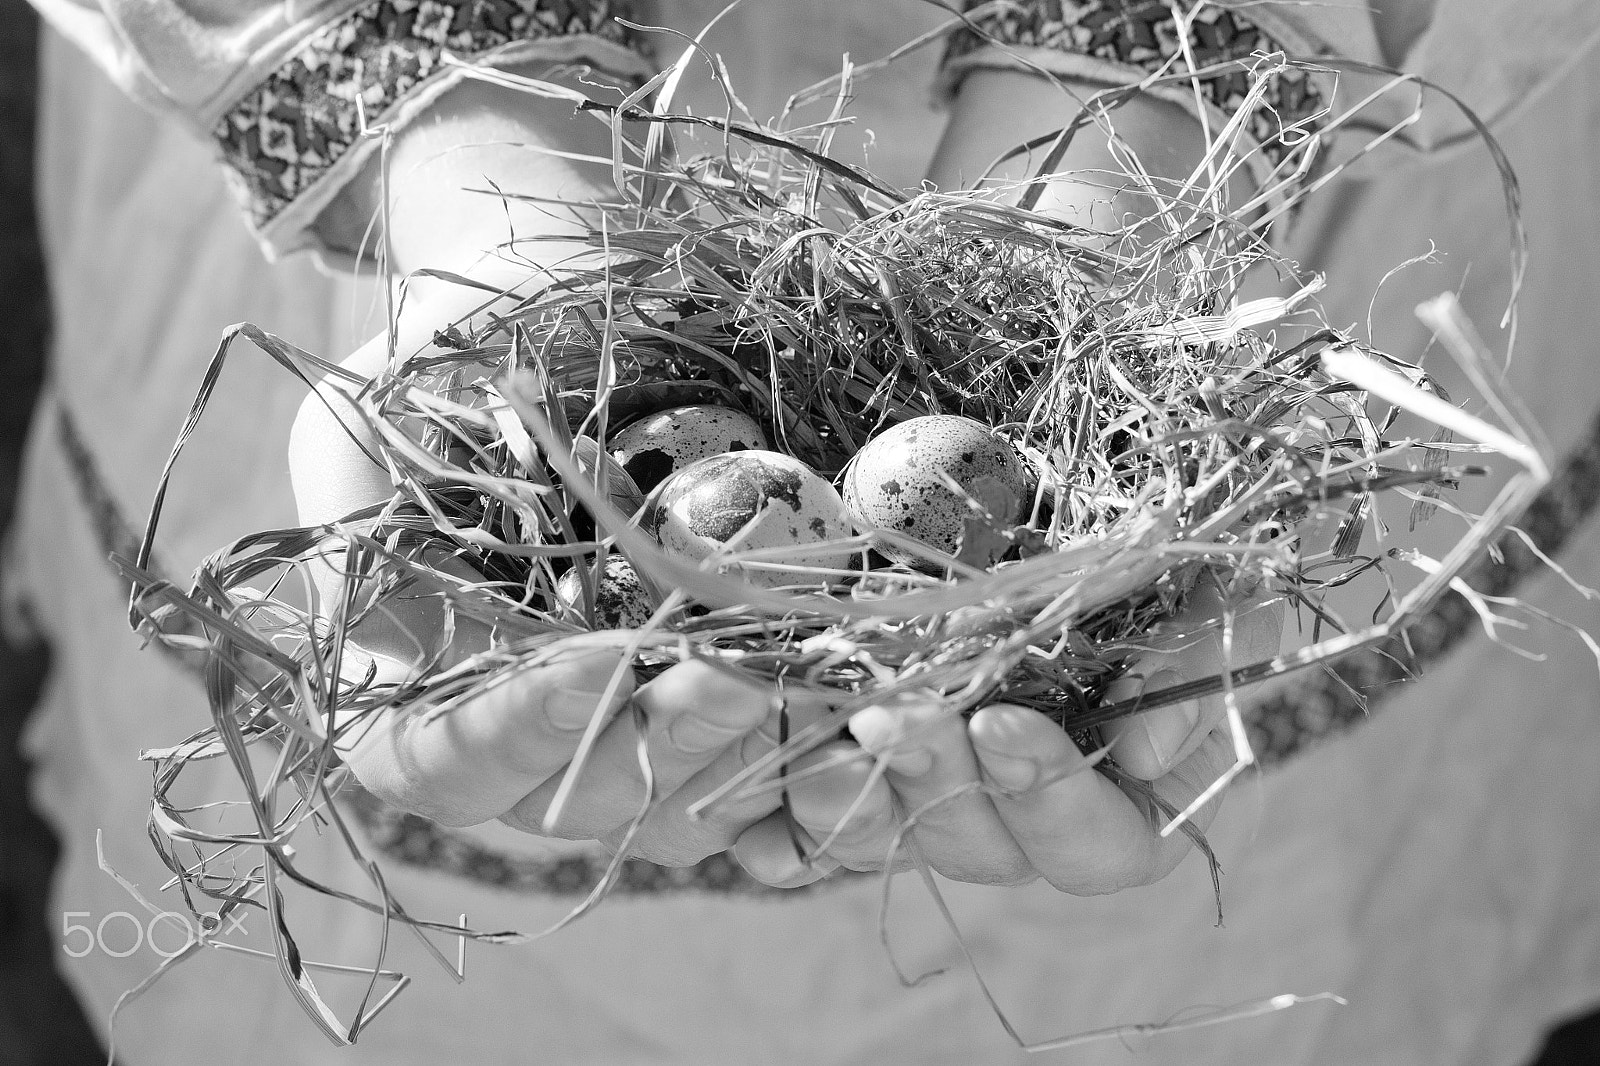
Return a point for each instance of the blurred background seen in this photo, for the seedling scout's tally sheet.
(39, 1021)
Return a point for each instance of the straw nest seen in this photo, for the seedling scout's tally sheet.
(1171, 432)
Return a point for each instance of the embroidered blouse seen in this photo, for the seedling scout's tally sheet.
(282, 89)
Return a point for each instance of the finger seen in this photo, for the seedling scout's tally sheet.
(468, 763)
(1147, 745)
(1176, 790)
(673, 836)
(692, 712)
(774, 851)
(412, 628)
(931, 767)
(847, 807)
(1080, 831)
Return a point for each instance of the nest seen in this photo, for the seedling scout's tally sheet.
(1175, 433)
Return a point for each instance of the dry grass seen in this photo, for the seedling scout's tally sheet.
(1176, 434)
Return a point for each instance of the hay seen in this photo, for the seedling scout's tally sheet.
(1176, 433)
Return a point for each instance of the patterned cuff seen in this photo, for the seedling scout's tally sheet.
(1122, 42)
(295, 139)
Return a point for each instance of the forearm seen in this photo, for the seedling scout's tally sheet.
(998, 110)
(442, 214)
(438, 205)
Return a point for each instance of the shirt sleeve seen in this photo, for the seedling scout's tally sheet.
(1213, 58)
(281, 88)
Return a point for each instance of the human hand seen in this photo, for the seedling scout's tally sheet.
(502, 754)
(1006, 797)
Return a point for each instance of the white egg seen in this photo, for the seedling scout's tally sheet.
(897, 480)
(657, 446)
(620, 599)
(753, 499)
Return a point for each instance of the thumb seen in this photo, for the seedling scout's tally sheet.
(472, 759)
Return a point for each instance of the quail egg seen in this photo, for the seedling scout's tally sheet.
(657, 446)
(753, 499)
(898, 480)
(620, 599)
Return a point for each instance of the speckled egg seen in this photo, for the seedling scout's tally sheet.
(659, 445)
(896, 481)
(774, 500)
(620, 600)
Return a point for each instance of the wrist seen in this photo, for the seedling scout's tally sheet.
(432, 196)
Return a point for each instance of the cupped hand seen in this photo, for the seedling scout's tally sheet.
(502, 754)
(1007, 797)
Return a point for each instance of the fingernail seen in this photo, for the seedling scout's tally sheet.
(880, 731)
(571, 708)
(910, 762)
(1169, 732)
(1126, 687)
(693, 734)
(1132, 686)
(875, 728)
(1014, 773)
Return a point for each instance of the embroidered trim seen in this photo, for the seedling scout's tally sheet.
(115, 534)
(278, 141)
(112, 529)
(416, 841)
(1143, 35)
